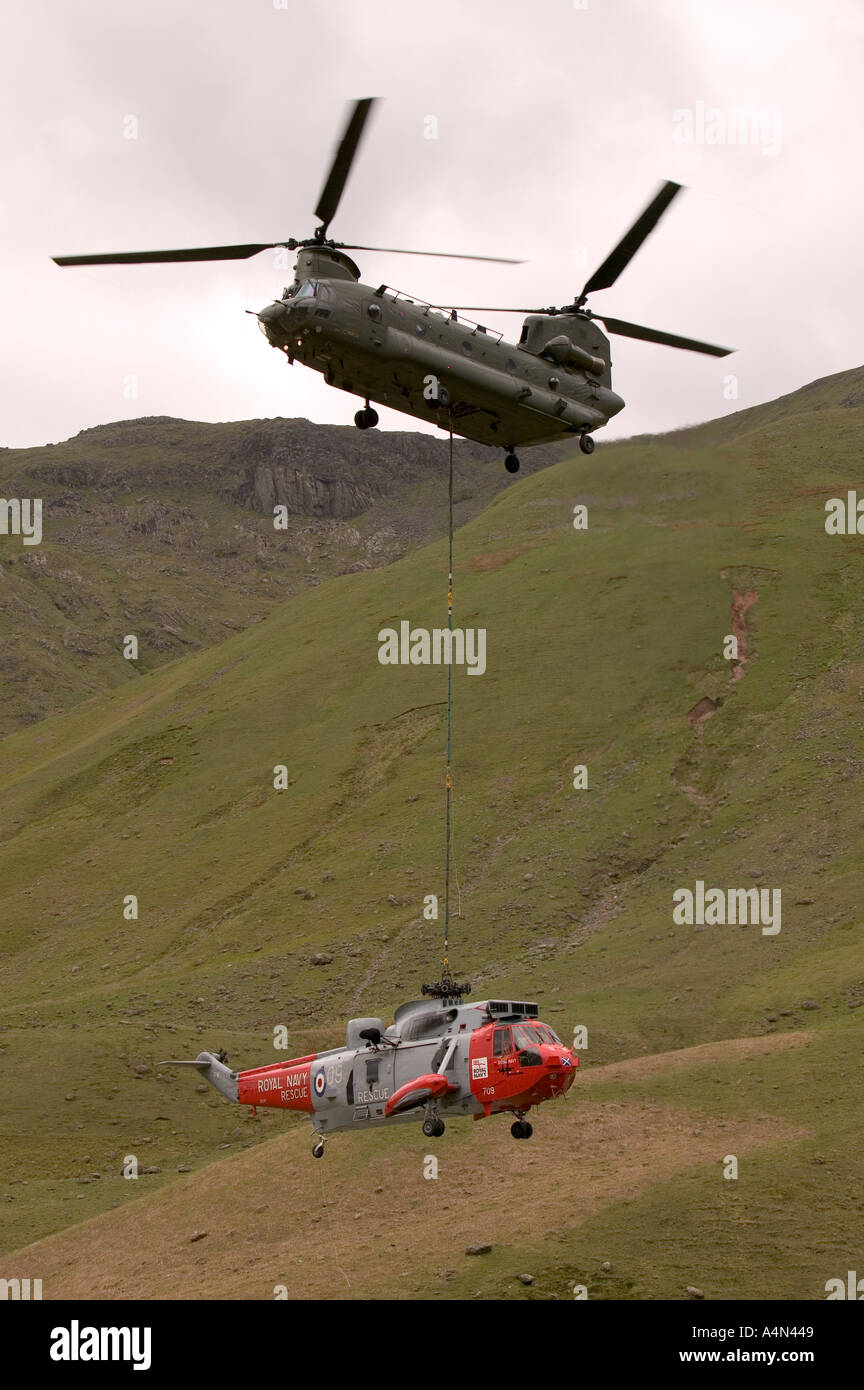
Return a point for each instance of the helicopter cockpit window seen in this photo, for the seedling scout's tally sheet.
(547, 1034)
(307, 290)
(502, 1044)
(526, 1035)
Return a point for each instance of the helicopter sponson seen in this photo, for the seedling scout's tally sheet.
(438, 1058)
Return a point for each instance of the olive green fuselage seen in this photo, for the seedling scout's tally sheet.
(399, 352)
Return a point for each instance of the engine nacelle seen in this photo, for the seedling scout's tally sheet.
(561, 350)
(573, 340)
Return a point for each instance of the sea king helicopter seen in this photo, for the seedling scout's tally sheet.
(429, 361)
(440, 1056)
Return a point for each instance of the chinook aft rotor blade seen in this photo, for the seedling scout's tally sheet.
(190, 253)
(448, 255)
(344, 157)
(654, 335)
(606, 274)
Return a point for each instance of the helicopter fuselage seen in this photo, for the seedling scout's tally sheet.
(440, 1059)
(400, 352)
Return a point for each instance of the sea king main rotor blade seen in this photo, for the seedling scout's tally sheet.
(344, 157)
(607, 273)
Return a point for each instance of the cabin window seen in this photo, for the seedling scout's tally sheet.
(349, 1087)
(547, 1034)
(372, 1072)
(502, 1043)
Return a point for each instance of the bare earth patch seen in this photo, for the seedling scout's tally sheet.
(274, 1216)
(494, 559)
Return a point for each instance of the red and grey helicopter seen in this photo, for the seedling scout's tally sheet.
(440, 1056)
(397, 350)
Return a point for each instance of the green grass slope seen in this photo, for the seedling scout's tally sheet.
(601, 643)
(163, 529)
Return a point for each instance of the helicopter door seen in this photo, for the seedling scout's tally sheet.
(374, 1080)
(508, 1062)
(504, 1059)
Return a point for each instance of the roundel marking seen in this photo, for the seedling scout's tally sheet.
(320, 1083)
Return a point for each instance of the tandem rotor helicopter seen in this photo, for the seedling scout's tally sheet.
(399, 351)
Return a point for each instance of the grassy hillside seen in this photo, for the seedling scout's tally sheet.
(605, 649)
(164, 529)
(841, 391)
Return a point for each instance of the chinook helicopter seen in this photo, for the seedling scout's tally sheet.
(427, 360)
(439, 1057)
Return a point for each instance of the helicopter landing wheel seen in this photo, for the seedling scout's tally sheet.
(318, 1148)
(521, 1129)
(433, 1128)
(586, 443)
(511, 463)
(366, 419)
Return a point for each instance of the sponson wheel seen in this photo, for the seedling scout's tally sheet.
(586, 443)
(432, 1128)
(521, 1129)
(366, 419)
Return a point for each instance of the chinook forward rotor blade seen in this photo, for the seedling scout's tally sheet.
(655, 335)
(607, 273)
(492, 308)
(190, 253)
(448, 255)
(344, 157)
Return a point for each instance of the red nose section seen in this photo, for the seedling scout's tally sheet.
(558, 1074)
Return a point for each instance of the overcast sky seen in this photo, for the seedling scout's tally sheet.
(555, 123)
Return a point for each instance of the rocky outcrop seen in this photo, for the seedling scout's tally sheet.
(304, 494)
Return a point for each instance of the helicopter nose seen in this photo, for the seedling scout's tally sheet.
(273, 312)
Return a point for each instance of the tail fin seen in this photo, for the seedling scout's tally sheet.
(213, 1070)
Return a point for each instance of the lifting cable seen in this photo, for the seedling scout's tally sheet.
(448, 780)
